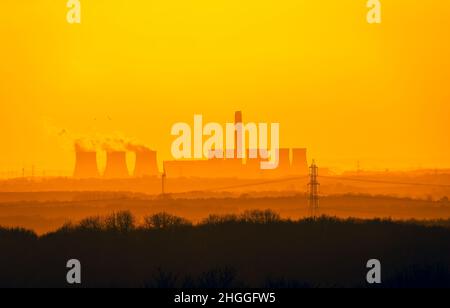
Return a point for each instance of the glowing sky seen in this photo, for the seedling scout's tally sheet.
(345, 89)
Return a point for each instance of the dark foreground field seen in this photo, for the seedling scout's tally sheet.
(256, 249)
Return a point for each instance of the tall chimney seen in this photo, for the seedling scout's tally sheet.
(238, 142)
(116, 165)
(86, 165)
(146, 164)
(299, 162)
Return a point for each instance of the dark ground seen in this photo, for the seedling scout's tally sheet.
(256, 249)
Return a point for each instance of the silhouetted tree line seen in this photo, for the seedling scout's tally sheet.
(124, 222)
(254, 249)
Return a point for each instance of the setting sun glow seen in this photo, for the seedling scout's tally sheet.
(347, 90)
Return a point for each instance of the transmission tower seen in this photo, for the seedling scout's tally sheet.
(313, 190)
(163, 183)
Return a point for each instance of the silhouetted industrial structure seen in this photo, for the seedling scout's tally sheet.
(85, 165)
(246, 165)
(116, 165)
(238, 141)
(314, 190)
(146, 163)
(299, 163)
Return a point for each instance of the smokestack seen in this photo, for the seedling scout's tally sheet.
(146, 164)
(86, 165)
(299, 162)
(238, 134)
(116, 165)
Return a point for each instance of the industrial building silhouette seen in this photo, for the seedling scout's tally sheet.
(86, 164)
(116, 164)
(239, 168)
(292, 162)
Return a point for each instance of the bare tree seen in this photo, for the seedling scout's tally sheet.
(165, 221)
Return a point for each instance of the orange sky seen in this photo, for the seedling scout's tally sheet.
(345, 89)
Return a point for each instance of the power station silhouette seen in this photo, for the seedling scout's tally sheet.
(292, 162)
(116, 165)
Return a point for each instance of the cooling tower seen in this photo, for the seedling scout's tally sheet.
(86, 165)
(284, 163)
(116, 165)
(146, 164)
(299, 162)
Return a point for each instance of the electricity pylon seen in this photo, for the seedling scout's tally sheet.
(313, 190)
(163, 183)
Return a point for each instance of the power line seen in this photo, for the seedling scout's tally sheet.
(292, 179)
(383, 182)
(260, 183)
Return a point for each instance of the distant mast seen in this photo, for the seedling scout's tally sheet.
(314, 190)
(238, 142)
